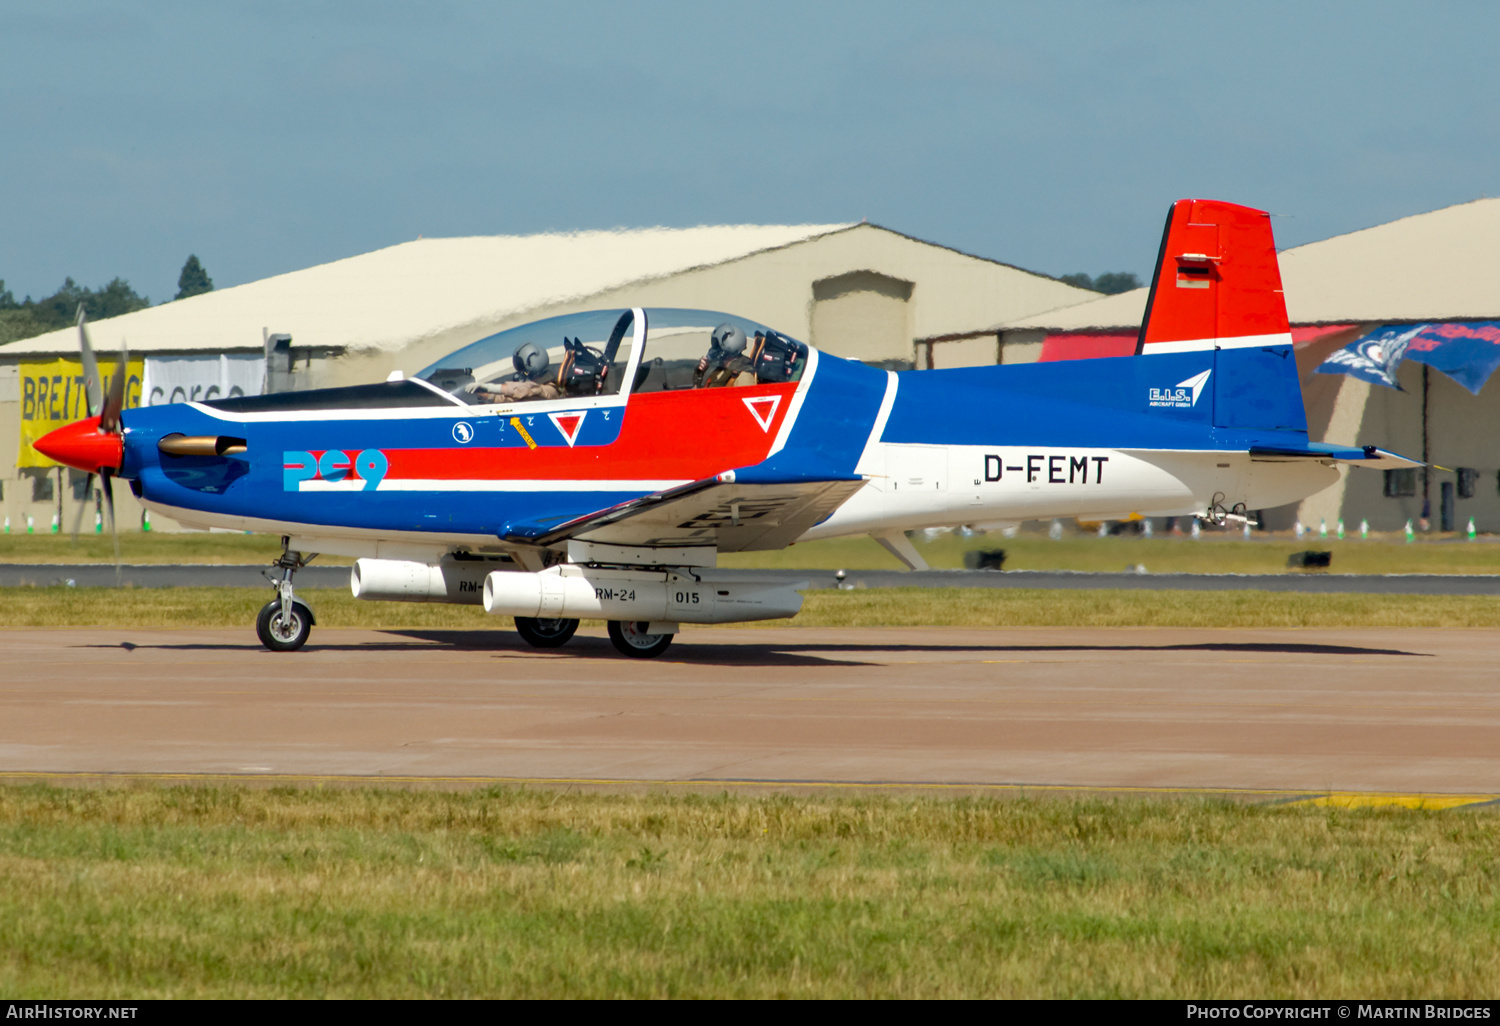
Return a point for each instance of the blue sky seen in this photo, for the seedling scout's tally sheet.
(270, 136)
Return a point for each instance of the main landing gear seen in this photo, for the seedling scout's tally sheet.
(628, 636)
(542, 633)
(286, 621)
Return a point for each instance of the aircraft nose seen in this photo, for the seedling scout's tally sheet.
(82, 446)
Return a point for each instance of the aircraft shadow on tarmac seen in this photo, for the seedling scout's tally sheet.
(682, 652)
(510, 644)
(783, 654)
(1246, 647)
(696, 651)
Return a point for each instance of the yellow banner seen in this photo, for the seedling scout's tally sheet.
(52, 394)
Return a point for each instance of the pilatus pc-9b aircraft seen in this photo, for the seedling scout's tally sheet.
(596, 464)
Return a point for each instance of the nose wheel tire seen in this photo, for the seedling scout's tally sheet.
(541, 633)
(284, 634)
(630, 638)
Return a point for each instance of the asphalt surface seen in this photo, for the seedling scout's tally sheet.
(1290, 711)
(163, 575)
(96, 575)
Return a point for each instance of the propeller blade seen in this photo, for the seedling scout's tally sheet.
(109, 419)
(106, 478)
(88, 491)
(107, 408)
(91, 380)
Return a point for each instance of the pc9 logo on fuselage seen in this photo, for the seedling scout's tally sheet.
(333, 470)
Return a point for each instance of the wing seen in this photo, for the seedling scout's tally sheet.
(732, 515)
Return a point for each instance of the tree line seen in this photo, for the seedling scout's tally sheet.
(1110, 283)
(29, 317)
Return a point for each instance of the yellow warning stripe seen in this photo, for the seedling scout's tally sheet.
(1404, 801)
(515, 422)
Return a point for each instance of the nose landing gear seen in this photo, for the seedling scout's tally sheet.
(286, 621)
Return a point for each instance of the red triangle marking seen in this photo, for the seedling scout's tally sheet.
(568, 424)
(763, 409)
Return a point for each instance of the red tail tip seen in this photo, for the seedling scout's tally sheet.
(1217, 280)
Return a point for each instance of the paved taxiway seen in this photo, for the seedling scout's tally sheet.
(1310, 710)
(103, 575)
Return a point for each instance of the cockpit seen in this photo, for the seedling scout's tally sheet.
(592, 354)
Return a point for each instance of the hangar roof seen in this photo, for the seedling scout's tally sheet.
(1441, 265)
(437, 285)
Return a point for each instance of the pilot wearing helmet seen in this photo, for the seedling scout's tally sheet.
(529, 382)
(725, 360)
(732, 359)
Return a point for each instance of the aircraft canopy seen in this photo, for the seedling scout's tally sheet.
(591, 353)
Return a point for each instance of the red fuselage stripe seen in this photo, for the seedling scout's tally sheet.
(684, 435)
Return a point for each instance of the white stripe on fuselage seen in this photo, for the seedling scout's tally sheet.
(869, 464)
(457, 411)
(1194, 345)
(799, 394)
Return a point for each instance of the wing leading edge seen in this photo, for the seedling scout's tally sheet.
(727, 512)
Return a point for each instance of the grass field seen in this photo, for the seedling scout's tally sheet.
(136, 547)
(875, 607)
(1213, 553)
(237, 892)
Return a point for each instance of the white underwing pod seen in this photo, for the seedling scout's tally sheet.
(459, 582)
(577, 592)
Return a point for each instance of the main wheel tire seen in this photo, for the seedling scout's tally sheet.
(630, 638)
(284, 635)
(541, 633)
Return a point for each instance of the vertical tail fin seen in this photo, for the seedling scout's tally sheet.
(1217, 283)
(1217, 288)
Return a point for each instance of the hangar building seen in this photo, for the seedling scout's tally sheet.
(855, 290)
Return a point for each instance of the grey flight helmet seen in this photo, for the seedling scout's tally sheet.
(531, 361)
(728, 339)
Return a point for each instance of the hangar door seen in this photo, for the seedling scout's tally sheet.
(864, 315)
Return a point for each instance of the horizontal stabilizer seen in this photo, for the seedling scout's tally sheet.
(1366, 456)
